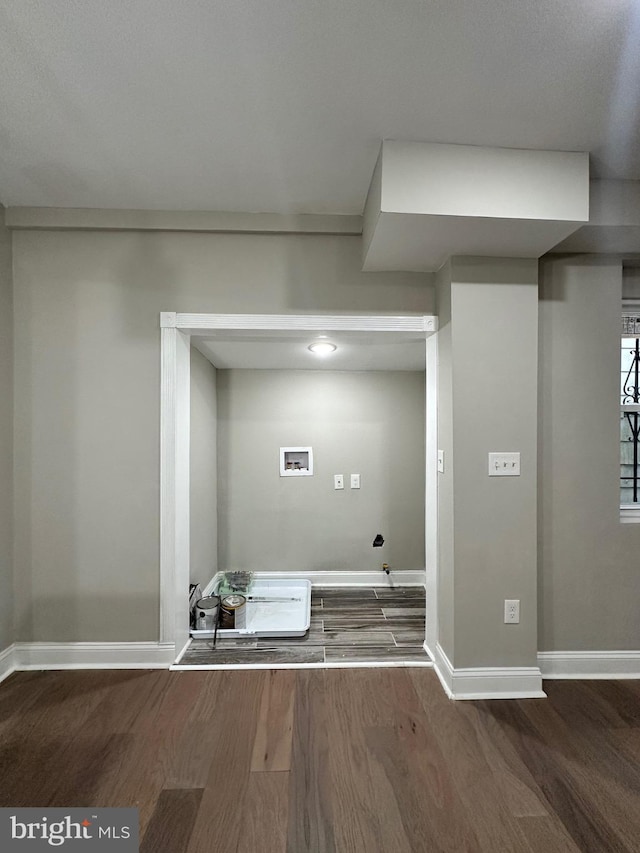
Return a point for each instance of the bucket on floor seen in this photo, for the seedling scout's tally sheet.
(233, 611)
(207, 613)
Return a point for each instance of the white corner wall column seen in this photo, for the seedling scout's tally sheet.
(481, 217)
(487, 526)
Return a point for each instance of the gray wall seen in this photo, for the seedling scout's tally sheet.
(6, 439)
(493, 404)
(87, 399)
(203, 470)
(86, 311)
(495, 337)
(588, 561)
(369, 423)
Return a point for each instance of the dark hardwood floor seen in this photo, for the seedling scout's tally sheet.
(349, 760)
(348, 624)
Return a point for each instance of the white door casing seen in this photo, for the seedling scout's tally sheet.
(176, 332)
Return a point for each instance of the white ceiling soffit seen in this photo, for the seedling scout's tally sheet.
(355, 351)
(428, 202)
(614, 221)
(280, 106)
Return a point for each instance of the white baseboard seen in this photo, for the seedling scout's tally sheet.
(7, 662)
(93, 655)
(398, 577)
(614, 664)
(429, 651)
(495, 682)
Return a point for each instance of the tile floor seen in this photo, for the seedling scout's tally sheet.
(351, 624)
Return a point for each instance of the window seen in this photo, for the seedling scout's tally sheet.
(630, 412)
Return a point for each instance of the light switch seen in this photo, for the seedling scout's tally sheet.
(338, 481)
(504, 464)
(355, 481)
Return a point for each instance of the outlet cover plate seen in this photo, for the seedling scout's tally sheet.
(511, 611)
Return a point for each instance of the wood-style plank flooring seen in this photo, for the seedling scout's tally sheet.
(351, 624)
(344, 760)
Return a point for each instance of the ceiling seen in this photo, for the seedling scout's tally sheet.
(289, 350)
(280, 105)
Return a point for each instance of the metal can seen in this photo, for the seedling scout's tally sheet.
(232, 611)
(207, 613)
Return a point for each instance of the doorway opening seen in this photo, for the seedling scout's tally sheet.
(264, 366)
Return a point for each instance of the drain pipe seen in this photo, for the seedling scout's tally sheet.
(378, 542)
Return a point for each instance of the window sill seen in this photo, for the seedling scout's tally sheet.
(629, 515)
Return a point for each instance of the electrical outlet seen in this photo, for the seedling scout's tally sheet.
(338, 481)
(355, 481)
(511, 611)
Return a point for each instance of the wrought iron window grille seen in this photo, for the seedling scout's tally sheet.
(630, 411)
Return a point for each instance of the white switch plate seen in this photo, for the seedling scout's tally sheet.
(355, 481)
(338, 481)
(504, 464)
(441, 462)
(511, 611)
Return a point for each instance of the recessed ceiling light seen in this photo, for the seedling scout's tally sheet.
(322, 348)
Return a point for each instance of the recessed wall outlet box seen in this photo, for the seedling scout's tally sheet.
(511, 611)
(504, 464)
(296, 461)
(355, 481)
(441, 462)
(338, 481)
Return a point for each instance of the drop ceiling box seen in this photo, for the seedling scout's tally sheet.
(614, 221)
(429, 201)
(289, 350)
